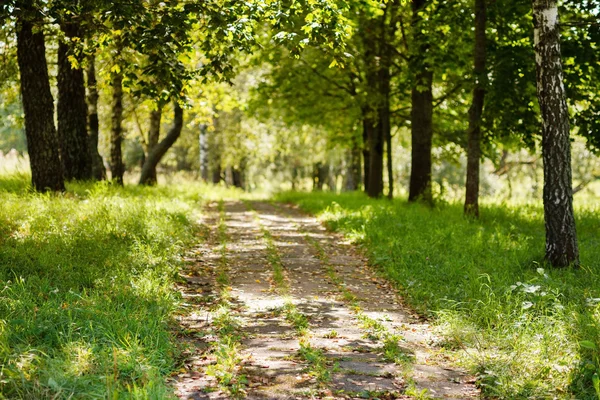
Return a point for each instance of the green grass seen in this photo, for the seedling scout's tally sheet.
(525, 329)
(393, 352)
(318, 366)
(86, 288)
(226, 350)
(279, 279)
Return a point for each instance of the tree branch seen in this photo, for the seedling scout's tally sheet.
(449, 93)
(157, 153)
(326, 78)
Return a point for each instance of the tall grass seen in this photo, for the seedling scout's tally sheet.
(86, 288)
(527, 330)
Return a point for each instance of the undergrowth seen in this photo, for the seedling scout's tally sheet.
(527, 330)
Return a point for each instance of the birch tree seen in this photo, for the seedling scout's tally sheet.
(561, 236)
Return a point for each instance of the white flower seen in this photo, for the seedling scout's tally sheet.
(592, 301)
(531, 288)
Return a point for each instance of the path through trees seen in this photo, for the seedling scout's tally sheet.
(276, 307)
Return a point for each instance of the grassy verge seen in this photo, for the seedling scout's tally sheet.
(526, 330)
(86, 294)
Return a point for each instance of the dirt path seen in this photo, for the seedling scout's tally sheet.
(305, 317)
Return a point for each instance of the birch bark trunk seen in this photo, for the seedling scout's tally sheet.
(561, 237)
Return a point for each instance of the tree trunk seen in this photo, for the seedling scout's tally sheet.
(216, 146)
(421, 114)
(154, 131)
(216, 175)
(320, 172)
(38, 106)
(117, 168)
(294, 178)
(151, 143)
(237, 175)
(372, 38)
(384, 88)
(323, 175)
(352, 175)
(475, 112)
(367, 126)
(376, 158)
(422, 137)
(561, 237)
(376, 113)
(331, 176)
(160, 149)
(356, 167)
(98, 170)
(384, 121)
(72, 110)
(203, 148)
(315, 177)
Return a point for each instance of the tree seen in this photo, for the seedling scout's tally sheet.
(72, 108)
(290, 93)
(377, 32)
(38, 105)
(352, 163)
(511, 114)
(156, 150)
(580, 37)
(475, 112)
(98, 170)
(361, 90)
(150, 142)
(421, 110)
(117, 169)
(372, 125)
(561, 237)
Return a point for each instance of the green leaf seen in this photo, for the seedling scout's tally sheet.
(587, 344)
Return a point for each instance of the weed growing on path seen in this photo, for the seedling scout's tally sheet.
(226, 369)
(222, 277)
(227, 328)
(320, 367)
(281, 283)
